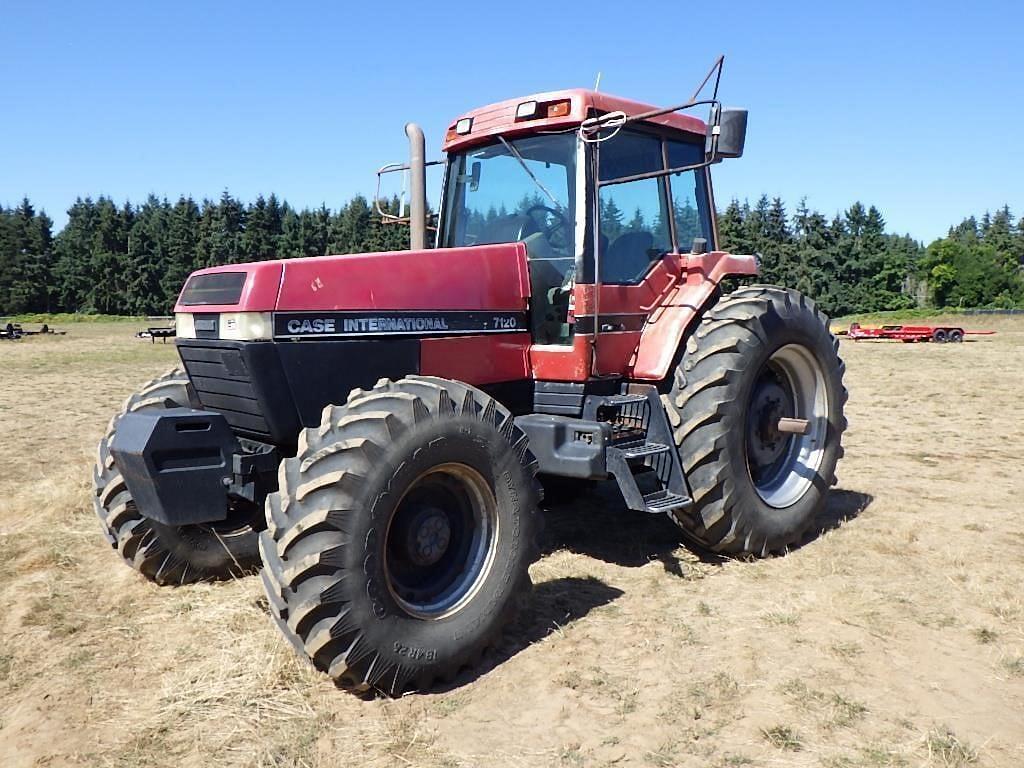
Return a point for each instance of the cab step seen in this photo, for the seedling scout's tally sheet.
(641, 449)
(666, 501)
(622, 436)
(641, 444)
(617, 401)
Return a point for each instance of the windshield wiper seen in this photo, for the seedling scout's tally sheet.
(522, 162)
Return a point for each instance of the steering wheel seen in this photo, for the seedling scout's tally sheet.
(561, 223)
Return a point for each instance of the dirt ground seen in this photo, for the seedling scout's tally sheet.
(894, 638)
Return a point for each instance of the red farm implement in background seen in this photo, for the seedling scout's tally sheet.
(914, 333)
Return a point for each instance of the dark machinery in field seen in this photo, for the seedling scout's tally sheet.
(15, 331)
(155, 332)
(376, 428)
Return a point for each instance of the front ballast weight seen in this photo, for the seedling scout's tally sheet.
(185, 466)
(221, 547)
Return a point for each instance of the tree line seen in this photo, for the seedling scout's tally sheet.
(851, 264)
(133, 259)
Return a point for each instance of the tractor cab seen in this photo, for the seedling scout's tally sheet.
(599, 189)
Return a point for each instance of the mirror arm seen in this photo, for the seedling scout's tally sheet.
(390, 218)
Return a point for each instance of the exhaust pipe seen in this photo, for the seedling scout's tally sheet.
(417, 187)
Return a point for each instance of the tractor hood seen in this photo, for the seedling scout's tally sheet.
(486, 277)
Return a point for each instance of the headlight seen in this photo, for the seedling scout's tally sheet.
(246, 326)
(185, 325)
(239, 326)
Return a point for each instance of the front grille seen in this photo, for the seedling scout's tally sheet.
(268, 391)
(224, 384)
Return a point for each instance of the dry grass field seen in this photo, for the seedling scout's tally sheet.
(894, 638)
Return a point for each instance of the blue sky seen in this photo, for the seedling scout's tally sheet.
(914, 107)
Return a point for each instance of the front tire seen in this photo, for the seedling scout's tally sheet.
(166, 554)
(760, 354)
(399, 541)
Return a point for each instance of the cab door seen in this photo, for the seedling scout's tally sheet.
(646, 217)
(640, 218)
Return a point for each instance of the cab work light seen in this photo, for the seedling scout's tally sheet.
(532, 110)
(464, 126)
(526, 110)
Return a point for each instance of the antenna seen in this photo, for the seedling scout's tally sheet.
(597, 85)
(618, 119)
(716, 71)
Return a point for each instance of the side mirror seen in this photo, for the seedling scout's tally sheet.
(727, 133)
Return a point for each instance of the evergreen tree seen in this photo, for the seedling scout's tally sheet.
(260, 238)
(148, 259)
(732, 231)
(108, 257)
(182, 253)
(26, 260)
(637, 223)
(611, 219)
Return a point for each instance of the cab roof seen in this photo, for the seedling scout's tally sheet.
(500, 118)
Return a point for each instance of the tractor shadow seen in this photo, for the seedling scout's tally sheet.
(596, 523)
(550, 606)
(842, 507)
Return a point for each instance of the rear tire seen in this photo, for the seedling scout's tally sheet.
(162, 553)
(759, 354)
(956, 335)
(398, 544)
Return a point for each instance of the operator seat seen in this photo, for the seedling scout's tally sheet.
(627, 258)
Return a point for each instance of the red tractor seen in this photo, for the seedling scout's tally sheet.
(376, 429)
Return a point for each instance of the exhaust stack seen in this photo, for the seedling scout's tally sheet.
(417, 187)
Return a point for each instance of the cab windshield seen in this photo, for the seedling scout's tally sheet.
(514, 190)
(521, 190)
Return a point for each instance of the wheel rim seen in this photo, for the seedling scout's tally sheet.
(238, 522)
(440, 541)
(782, 467)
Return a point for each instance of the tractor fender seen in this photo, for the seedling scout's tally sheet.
(700, 276)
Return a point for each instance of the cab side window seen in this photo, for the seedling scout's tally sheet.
(691, 220)
(634, 215)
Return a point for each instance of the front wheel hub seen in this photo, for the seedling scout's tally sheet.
(428, 536)
(441, 541)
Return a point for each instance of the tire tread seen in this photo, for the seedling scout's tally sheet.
(306, 522)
